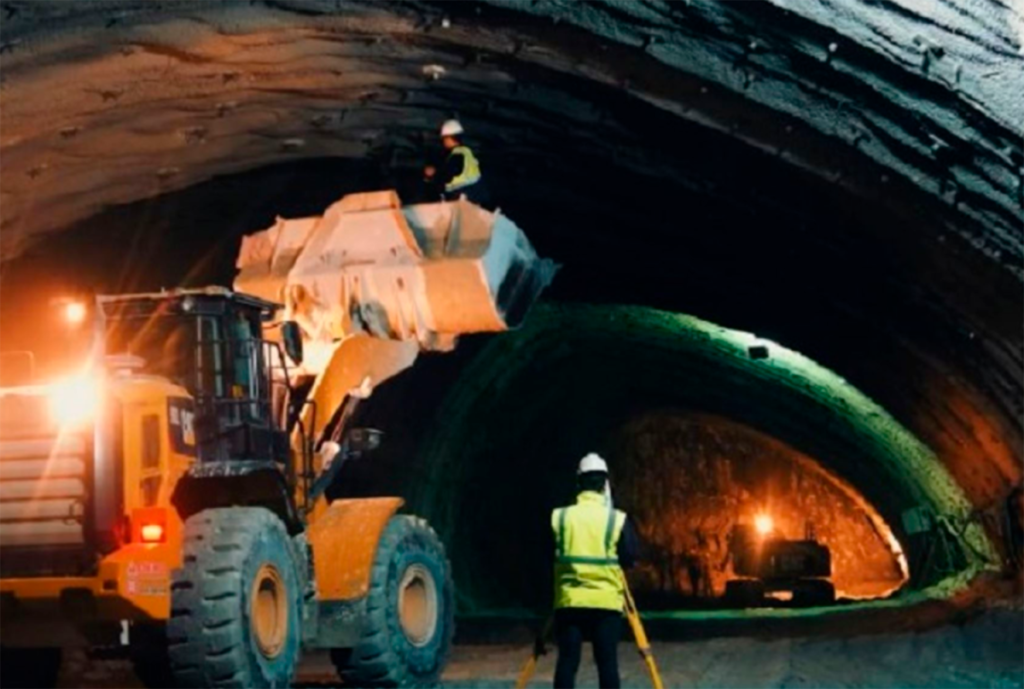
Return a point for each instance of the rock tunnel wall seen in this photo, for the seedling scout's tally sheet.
(688, 479)
(843, 178)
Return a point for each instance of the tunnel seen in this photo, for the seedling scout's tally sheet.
(790, 236)
(504, 440)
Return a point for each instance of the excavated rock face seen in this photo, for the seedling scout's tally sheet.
(688, 480)
(843, 178)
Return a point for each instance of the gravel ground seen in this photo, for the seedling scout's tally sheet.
(985, 651)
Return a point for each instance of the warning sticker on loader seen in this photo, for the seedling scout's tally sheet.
(146, 579)
(181, 415)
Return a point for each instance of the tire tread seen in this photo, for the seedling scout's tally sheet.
(376, 661)
(208, 644)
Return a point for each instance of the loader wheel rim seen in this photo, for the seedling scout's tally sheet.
(268, 605)
(417, 605)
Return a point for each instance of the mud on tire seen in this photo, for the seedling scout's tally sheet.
(235, 603)
(409, 621)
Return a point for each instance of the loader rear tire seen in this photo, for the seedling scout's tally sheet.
(235, 603)
(409, 622)
(29, 667)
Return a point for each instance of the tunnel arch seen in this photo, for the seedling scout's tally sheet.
(847, 183)
(573, 372)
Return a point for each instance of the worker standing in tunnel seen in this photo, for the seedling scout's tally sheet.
(460, 173)
(593, 542)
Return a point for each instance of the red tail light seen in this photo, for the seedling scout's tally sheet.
(152, 533)
(149, 525)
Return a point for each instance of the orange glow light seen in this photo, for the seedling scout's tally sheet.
(152, 533)
(74, 400)
(764, 524)
(74, 312)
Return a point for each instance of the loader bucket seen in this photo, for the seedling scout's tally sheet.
(426, 272)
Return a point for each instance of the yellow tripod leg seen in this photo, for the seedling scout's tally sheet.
(530, 666)
(526, 674)
(642, 644)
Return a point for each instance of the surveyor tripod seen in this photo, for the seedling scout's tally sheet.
(643, 646)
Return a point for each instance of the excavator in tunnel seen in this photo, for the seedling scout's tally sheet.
(765, 561)
(172, 498)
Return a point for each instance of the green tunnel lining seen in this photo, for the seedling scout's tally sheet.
(555, 334)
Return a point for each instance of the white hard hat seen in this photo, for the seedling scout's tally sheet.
(451, 128)
(592, 462)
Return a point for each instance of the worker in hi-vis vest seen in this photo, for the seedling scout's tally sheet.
(593, 542)
(460, 173)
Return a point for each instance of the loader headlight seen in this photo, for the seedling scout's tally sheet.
(74, 401)
(75, 313)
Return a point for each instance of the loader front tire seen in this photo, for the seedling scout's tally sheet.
(409, 622)
(235, 603)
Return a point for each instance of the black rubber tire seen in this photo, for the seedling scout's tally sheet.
(29, 668)
(384, 656)
(210, 639)
(744, 593)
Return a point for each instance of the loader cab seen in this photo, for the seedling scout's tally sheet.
(210, 342)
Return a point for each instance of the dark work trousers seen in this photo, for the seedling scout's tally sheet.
(602, 628)
(477, 193)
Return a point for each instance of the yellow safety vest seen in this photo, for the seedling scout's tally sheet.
(587, 572)
(470, 170)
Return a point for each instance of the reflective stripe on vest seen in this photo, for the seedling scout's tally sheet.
(470, 169)
(587, 573)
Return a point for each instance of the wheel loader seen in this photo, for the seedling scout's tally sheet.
(171, 498)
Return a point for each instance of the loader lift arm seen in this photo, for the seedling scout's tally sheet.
(372, 284)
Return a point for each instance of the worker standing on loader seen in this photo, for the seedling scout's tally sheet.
(460, 173)
(593, 541)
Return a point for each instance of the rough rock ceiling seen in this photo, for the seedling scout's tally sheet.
(109, 102)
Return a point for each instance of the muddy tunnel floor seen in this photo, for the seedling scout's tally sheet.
(984, 652)
(978, 652)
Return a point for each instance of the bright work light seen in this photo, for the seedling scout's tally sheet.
(73, 401)
(764, 524)
(74, 312)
